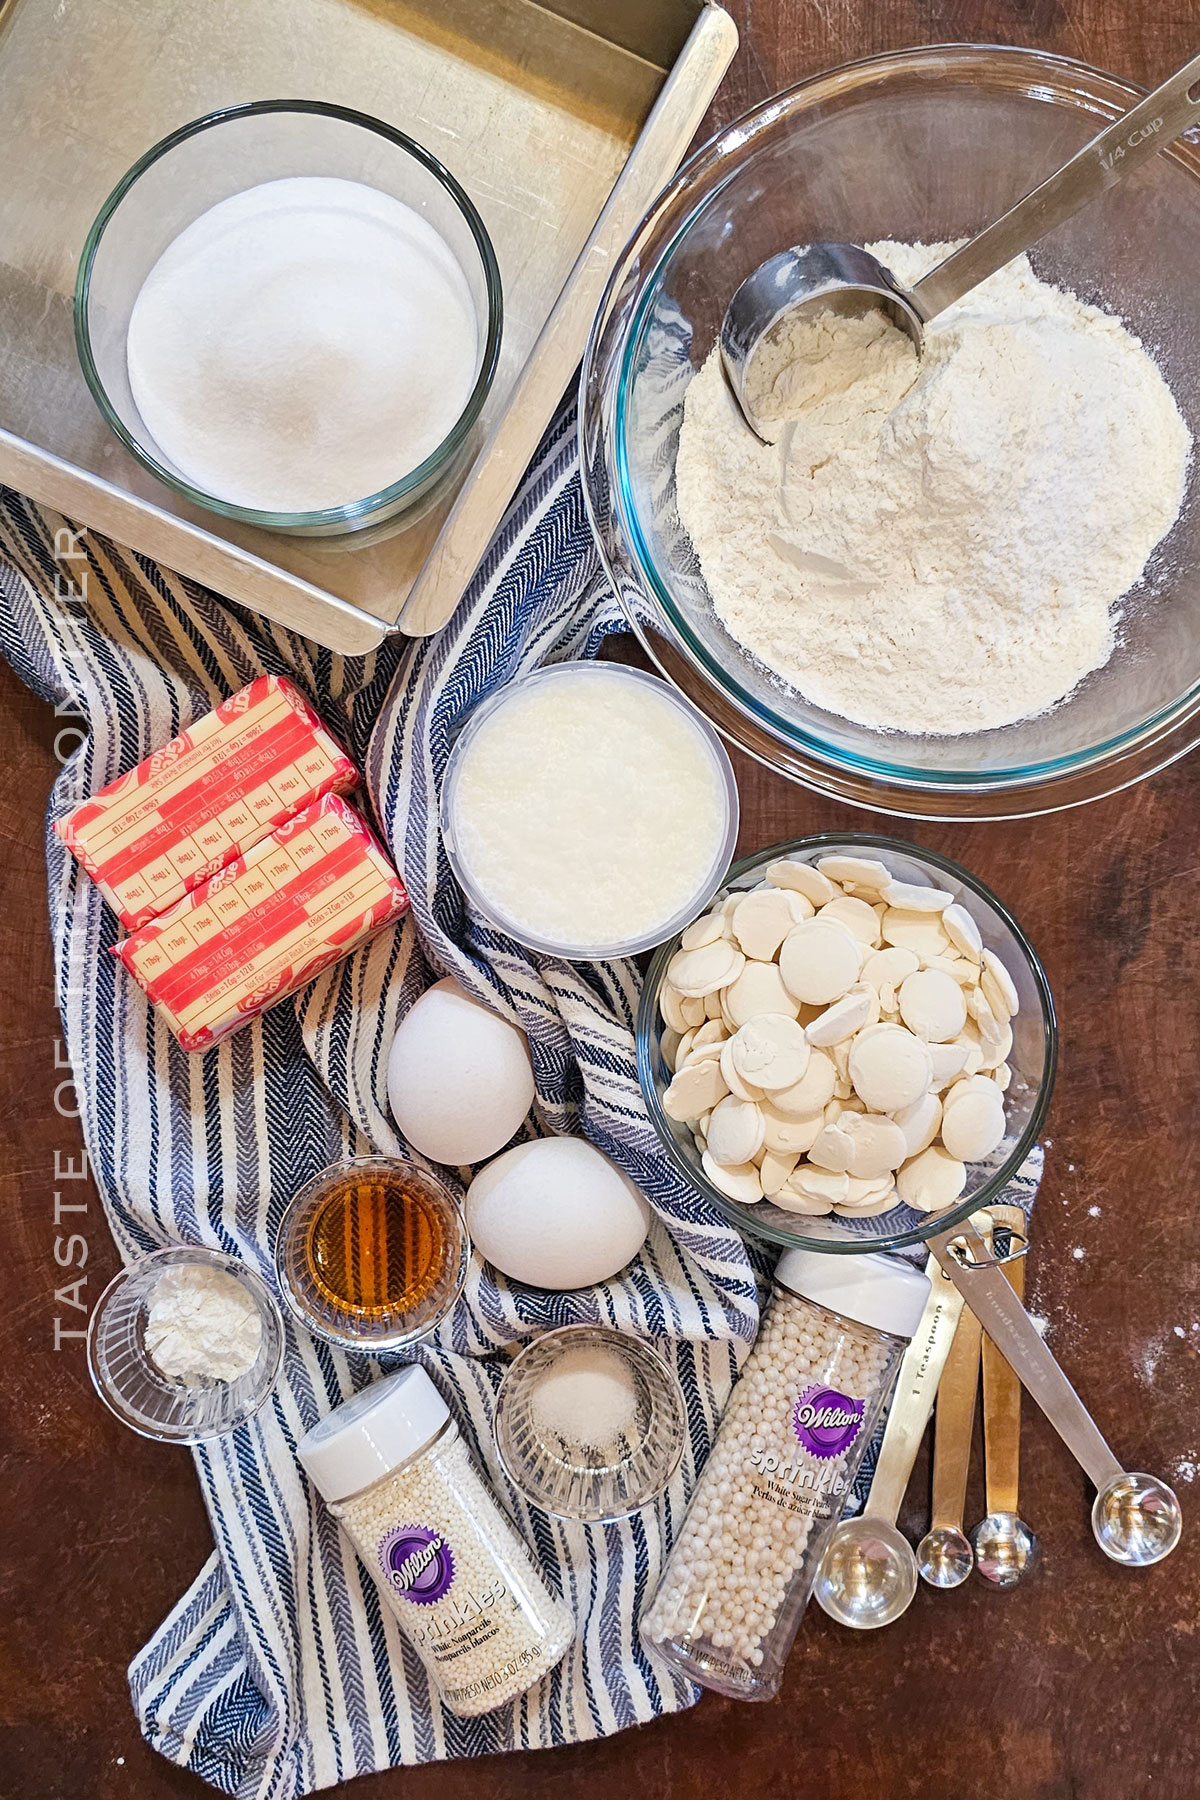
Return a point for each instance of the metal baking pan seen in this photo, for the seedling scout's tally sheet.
(561, 120)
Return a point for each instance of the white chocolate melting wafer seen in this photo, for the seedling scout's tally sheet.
(759, 988)
(785, 1135)
(932, 1005)
(704, 930)
(737, 1181)
(858, 871)
(744, 1090)
(812, 1092)
(959, 968)
(911, 897)
(920, 1123)
(771, 1051)
(877, 1144)
(775, 1168)
(867, 1209)
(735, 1132)
(972, 1122)
(886, 969)
(932, 1181)
(890, 1068)
(832, 1148)
(918, 931)
(856, 1009)
(802, 878)
(670, 1005)
(819, 960)
(695, 1090)
(787, 1200)
(860, 920)
(999, 988)
(962, 931)
(696, 973)
(762, 921)
(832, 1186)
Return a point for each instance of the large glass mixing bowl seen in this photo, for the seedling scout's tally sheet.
(1032, 1059)
(922, 145)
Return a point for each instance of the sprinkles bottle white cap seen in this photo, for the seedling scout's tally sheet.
(368, 1436)
(881, 1291)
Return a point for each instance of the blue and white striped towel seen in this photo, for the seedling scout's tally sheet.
(278, 1672)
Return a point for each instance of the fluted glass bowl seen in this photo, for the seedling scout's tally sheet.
(131, 1385)
(925, 144)
(1032, 1059)
(577, 1478)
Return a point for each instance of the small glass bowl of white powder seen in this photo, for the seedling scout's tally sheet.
(290, 313)
(589, 810)
(185, 1344)
(590, 1423)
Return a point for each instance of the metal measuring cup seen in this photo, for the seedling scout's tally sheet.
(846, 279)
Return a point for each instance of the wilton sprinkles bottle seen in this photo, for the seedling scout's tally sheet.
(803, 1412)
(395, 1472)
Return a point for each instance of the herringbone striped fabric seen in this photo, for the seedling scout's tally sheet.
(278, 1672)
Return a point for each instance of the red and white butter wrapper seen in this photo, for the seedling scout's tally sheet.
(216, 790)
(266, 923)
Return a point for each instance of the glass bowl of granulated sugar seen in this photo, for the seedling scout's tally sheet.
(965, 587)
(290, 314)
(185, 1344)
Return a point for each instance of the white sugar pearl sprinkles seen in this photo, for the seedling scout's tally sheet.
(792, 1436)
(853, 1049)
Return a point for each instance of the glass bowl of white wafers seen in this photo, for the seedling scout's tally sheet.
(853, 1048)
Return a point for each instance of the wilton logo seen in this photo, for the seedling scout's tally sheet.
(418, 1563)
(826, 1422)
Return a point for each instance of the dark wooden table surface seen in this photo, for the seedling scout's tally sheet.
(1081, 1686)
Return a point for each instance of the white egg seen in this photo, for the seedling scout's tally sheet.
(556, 1213)
(459, 1077)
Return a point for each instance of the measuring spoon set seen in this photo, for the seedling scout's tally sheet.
(975, 1315)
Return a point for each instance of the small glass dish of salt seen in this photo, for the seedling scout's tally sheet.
(185, 1344)
(590, 1423)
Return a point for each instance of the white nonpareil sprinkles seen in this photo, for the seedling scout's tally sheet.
(462, 1584)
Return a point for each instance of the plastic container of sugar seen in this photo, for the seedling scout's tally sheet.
(588, 810)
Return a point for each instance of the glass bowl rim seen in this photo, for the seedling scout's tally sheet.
(196, 1255)
(390, 1342)
(628, 1343)
(742, 1217)
(328, 515)
(1093, 91)
(645, 940)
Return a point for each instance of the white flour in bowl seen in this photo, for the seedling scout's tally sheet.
(937, 547)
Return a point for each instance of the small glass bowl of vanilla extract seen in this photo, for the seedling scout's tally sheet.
(372, 1254)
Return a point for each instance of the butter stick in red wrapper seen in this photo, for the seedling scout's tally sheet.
(266, 923)
(217, 789)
